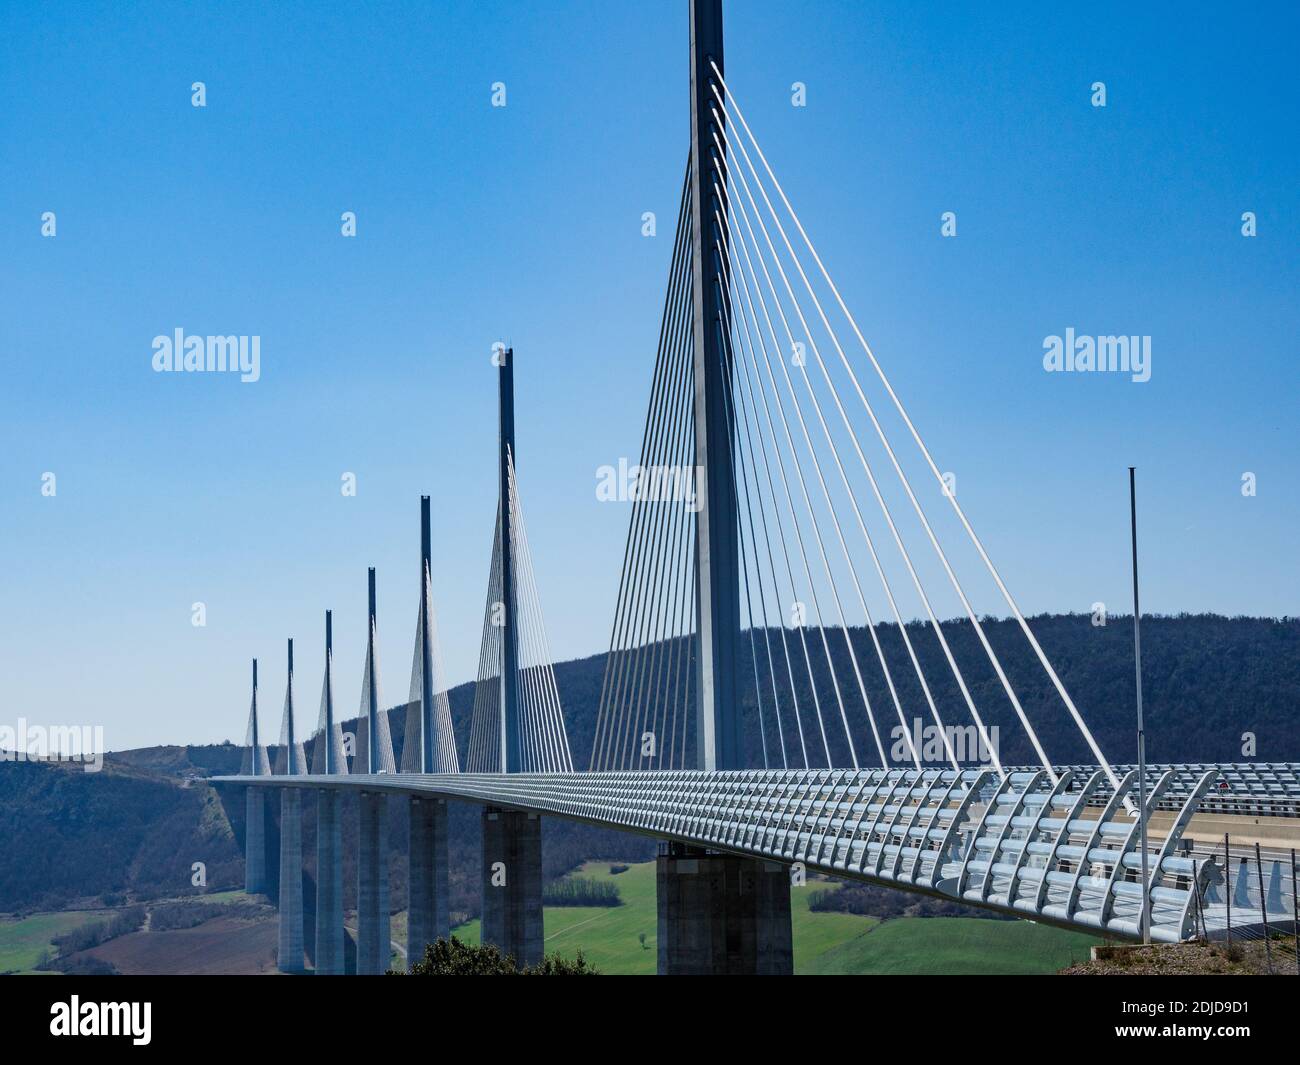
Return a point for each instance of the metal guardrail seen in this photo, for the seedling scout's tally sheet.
(1018, 844)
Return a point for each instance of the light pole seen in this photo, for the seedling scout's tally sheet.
(1142, 744)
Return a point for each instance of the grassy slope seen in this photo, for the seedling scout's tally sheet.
(23, 941)
(957, 945)
(824, 943)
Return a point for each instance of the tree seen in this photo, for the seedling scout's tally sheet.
(451, 957)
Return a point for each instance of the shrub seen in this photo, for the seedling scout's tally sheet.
(96, 932)
(170, 916)
(451, 957)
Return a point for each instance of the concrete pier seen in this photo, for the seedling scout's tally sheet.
(722, 915)
(512, 884)
(290, 956)
(428, 914)
(329, 884)
(255, 841)
(374, 935)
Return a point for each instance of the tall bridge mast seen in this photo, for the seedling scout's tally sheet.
(717, 608)
(511, 760)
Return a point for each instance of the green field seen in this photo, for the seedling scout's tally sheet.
(25, 939)
(824, 943)
(956, 945)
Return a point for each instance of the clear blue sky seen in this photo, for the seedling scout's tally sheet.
(477, 224)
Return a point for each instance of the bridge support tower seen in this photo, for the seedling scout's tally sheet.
(255, 882)
(512, 884)
(255, 841)
(512, 841)
(428, 915)
(722, 915)
(329, 836)
(374, 933)
(428, 884)
(717, 913)
(290, 955)
(329, 884)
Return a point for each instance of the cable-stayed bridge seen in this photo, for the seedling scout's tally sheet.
(783, 504)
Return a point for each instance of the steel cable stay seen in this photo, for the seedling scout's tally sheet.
(748, 267)
(902, 411)
(604, 750)
(485, 733)
(897, 537)
(934, 623)
(666, 416)
(737, 463)
(961, 682)
(826, 566)
(748, 521)
(744, 408)
(599, 750)
(739, 273)
(553, 755)
(664, 515)
(843, 546)
(676, 534)
(744, 282)
(789, 567)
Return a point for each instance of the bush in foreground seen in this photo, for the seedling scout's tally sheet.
(451, 957)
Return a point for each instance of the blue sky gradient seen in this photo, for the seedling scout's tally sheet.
(523, 224)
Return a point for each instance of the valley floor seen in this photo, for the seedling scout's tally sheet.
(617, 940)
(824, 943)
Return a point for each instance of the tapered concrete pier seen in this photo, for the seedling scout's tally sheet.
(374, 934)
(428, 913)
(512, 884)
(722, 915)
(290, 957)
(255, 841)
(329, 884)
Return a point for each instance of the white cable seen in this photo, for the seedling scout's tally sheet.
(1042, 657)
(934, 621)
(871, 629)
(677, 359)
(934, 710)
(861, 524)
(803, 639)
(762, 513)
(871, 717)
(559, 742)
(758, 571)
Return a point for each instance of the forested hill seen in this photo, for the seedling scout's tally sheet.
(1208, 680)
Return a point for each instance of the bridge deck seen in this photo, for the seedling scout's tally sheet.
(1064, 853)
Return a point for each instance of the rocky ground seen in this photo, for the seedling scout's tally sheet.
(1190, 959)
